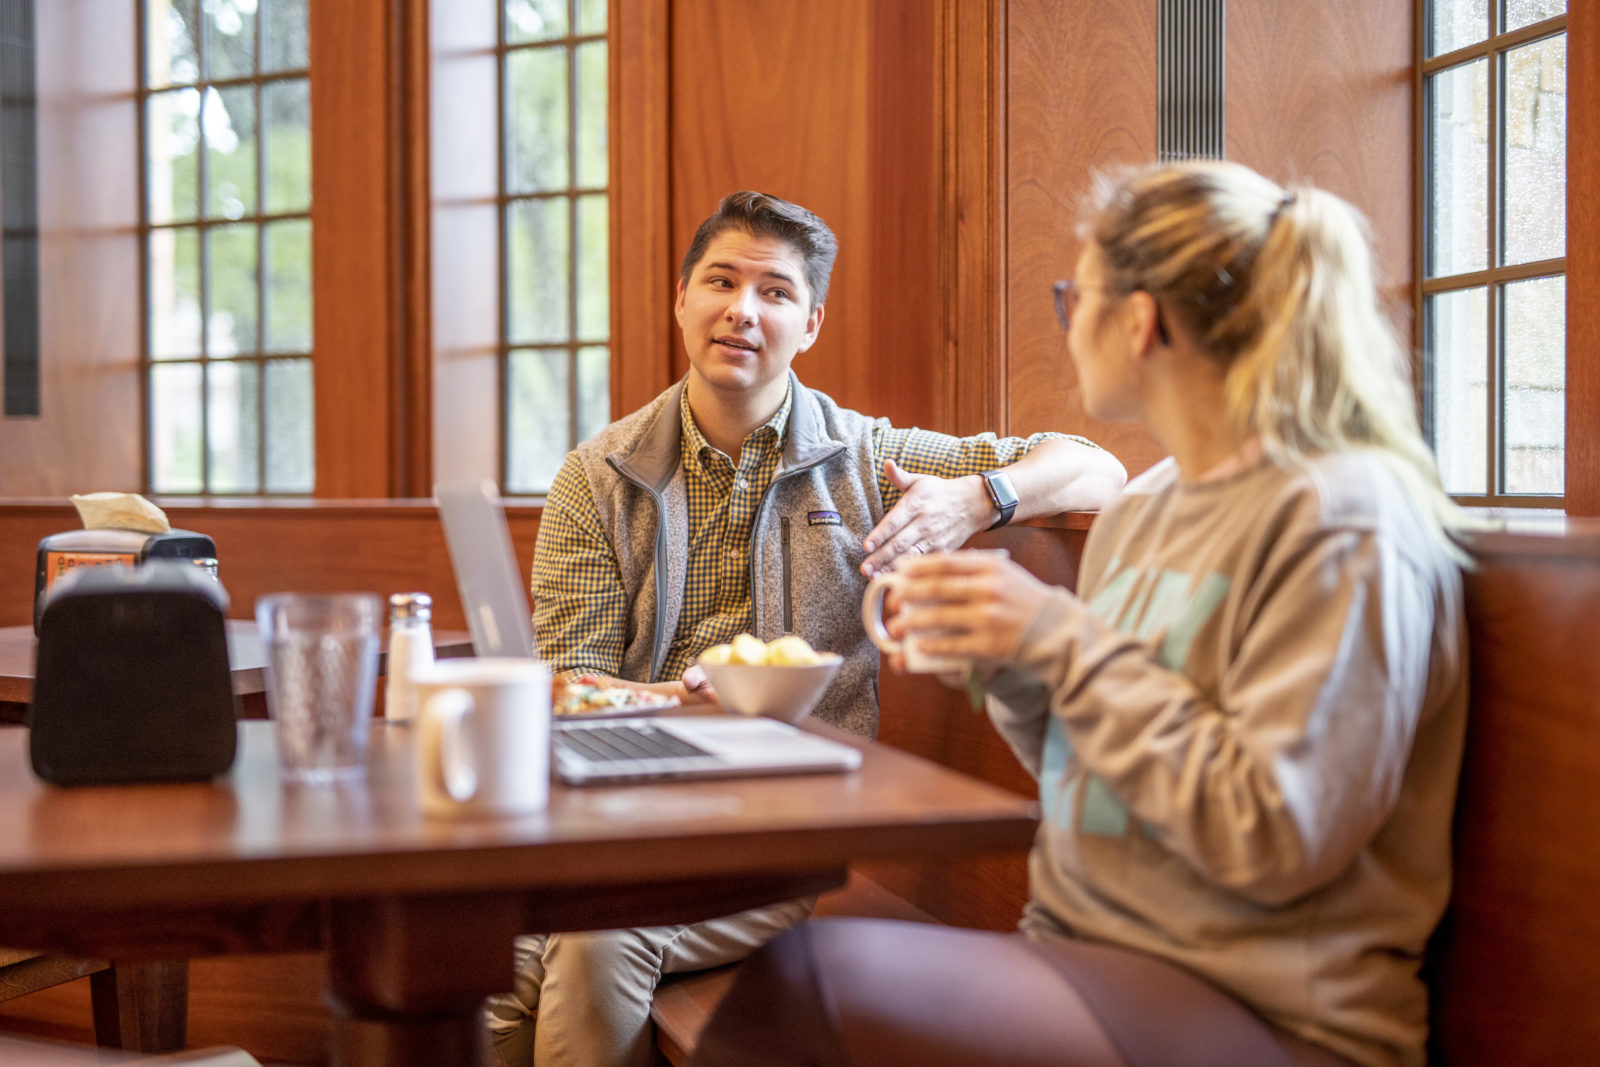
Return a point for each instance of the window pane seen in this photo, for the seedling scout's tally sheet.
(288, 295)
(233, 425)
(1457, 326)
(229, 120)
(284, 37)
(175, 428)
(591, 16)
(1521, 13)
(536, 419)
(538, 270)
(594, 268)
(594, 390)
(593, 164)
(172, 167)
(1457, 199)
(287, 107)
(1456, 23)
(536, 111)
(230, 37)
(1536, 386)
(535, 20)
(289, 426)
(235, 279)
(1536, 151)
(174, 272)
(170, 52)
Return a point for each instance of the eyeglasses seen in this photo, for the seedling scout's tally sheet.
(1069, 291)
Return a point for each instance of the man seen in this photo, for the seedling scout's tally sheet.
(740, 501)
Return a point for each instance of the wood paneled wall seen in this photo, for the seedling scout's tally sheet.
(1081, 95)
(1315, 92)
(88, 430)
(381, 546)
(1322, 94)
(832, 104)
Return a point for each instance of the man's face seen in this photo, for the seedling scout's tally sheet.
(746, 312)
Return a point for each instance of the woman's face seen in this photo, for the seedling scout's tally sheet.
(1101, 345)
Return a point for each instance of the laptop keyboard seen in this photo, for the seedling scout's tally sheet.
(615, 743)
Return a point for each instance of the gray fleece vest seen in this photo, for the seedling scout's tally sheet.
(805, 542)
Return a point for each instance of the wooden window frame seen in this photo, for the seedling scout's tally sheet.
(1494, 278)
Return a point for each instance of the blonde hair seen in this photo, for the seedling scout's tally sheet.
(1278, 286)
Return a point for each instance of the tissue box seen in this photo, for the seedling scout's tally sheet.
(132, 682)
(63, 553)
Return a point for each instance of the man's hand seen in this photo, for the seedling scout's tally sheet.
(933, 515)
(697, 687)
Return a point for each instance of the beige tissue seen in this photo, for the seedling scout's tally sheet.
(120, 511)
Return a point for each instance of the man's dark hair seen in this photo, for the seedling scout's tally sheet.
(761, 215)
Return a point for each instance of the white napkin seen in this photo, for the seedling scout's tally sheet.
(120, 511)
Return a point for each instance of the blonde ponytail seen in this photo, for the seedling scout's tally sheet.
(1278, 286)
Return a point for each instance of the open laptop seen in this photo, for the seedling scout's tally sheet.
(608, 751)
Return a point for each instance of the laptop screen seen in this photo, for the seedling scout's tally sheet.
(487, 574)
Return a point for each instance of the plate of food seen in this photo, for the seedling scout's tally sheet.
(592, 697)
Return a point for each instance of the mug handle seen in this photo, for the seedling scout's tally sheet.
(872, 612)
(444, 747)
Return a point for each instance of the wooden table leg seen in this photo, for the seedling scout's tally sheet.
(142, 1007)
(408, 977)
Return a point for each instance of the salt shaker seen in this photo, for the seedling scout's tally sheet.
(410, 647)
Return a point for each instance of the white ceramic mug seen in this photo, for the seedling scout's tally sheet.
(917, 661)
(483, 737)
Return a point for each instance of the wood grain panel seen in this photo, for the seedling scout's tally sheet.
(1322, 94)
(88, 431)
(773, 100)
(382, 546)
(1583, 259)
(1081, 95)
(355, 252)
(972, 206)
(831, 104)
(643, 265)
(1509, 985)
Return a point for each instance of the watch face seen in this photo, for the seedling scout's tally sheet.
(1000, 491)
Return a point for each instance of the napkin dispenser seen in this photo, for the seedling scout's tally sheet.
(63, 553)
(132, 682)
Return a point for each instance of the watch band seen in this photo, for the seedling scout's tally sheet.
(1002, 494)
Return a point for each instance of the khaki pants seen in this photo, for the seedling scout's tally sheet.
(583, 999)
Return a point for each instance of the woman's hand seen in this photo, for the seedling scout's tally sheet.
(969, 605)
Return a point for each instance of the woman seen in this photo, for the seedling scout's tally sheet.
(1246, 726)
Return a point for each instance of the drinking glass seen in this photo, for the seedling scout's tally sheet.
(322, 670)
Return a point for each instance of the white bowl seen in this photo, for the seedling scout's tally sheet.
(787, 693)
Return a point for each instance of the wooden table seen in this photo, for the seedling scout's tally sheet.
(246, 657)
(418, 915)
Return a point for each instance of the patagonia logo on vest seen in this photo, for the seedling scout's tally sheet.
(823, 518)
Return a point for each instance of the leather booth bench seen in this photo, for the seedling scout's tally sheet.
(1514, 969)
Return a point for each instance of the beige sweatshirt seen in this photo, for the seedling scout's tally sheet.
(1247, 742)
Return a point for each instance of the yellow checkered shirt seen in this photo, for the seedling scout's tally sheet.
(585, 634)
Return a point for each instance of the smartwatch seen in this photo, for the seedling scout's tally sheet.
(1001, 494)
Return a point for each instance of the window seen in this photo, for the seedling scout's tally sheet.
(226, 228)
(555, 227)
(1493, 288)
